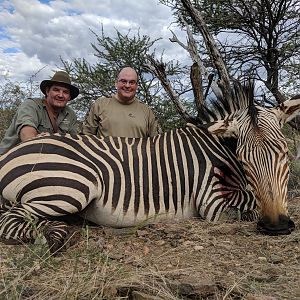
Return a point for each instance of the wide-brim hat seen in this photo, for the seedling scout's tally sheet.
(60, 77)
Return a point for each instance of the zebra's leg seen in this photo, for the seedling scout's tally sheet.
(60, 236)
(18, 225)
(4, 205)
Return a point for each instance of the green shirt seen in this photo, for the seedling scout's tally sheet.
(109, 117)
(33, 112)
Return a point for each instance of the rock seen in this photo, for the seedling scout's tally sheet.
(188, 243)
(98, 243)
(115, 256)
(141, 233)
(225, 246)
(275, 259)
(174, 243)
(146, 250)
(110, 292)
(198, 248)
(262, 258)
(136, 295)
(160, 242)
(193, 286)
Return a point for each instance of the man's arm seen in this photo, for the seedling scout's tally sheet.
(91, 122)
(27, 120)
(154, 127)
(27, 133)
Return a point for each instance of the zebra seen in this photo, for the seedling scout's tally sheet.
(179, 174)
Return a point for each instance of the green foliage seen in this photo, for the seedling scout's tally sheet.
(11, 95)
(293, 140)
(6, 116)
(294, 181)
(167, 114)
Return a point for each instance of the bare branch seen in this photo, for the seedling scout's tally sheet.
(158, 69)
(198, 69)
(196, 80)
(174, 39)
(224, 82)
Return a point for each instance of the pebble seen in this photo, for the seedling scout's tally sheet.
(198, 248)
(262, 258)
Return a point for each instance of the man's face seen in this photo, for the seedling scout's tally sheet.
(58, 95)
(126, 85)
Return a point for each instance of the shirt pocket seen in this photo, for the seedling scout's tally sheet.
(64, 125)
(45, 126)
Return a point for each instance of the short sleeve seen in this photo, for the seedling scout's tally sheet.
(91, 122)
(27, 115)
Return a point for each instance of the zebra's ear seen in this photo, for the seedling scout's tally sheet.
(223, 128)
(287, 110)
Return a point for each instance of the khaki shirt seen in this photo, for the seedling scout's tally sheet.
(109, 117)
(33, 112)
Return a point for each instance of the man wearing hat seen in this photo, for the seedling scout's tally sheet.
(48, 115)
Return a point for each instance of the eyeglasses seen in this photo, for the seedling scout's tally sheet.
(124, 82)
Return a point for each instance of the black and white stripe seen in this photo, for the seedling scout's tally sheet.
(175, 173)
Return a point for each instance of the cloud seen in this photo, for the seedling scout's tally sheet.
(35, 34)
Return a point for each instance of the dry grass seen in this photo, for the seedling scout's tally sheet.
(190, 260)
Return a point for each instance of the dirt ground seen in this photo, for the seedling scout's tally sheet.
(193, 259)
(220, 260)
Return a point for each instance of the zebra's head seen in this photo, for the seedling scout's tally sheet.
(263, 152)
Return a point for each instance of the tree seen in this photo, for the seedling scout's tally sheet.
(112, 54)
(11, 96)
(198, 71)
(258, 38)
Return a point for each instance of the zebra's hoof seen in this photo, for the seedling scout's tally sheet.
(56, 244)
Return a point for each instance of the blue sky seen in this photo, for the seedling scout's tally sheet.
(34, 34)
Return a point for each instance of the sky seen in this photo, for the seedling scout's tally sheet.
(35, 34)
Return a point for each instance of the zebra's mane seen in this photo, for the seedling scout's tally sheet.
(242, 97)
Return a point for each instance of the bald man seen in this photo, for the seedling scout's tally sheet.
(122, 114)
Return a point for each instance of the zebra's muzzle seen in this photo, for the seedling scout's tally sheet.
(284, 226)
